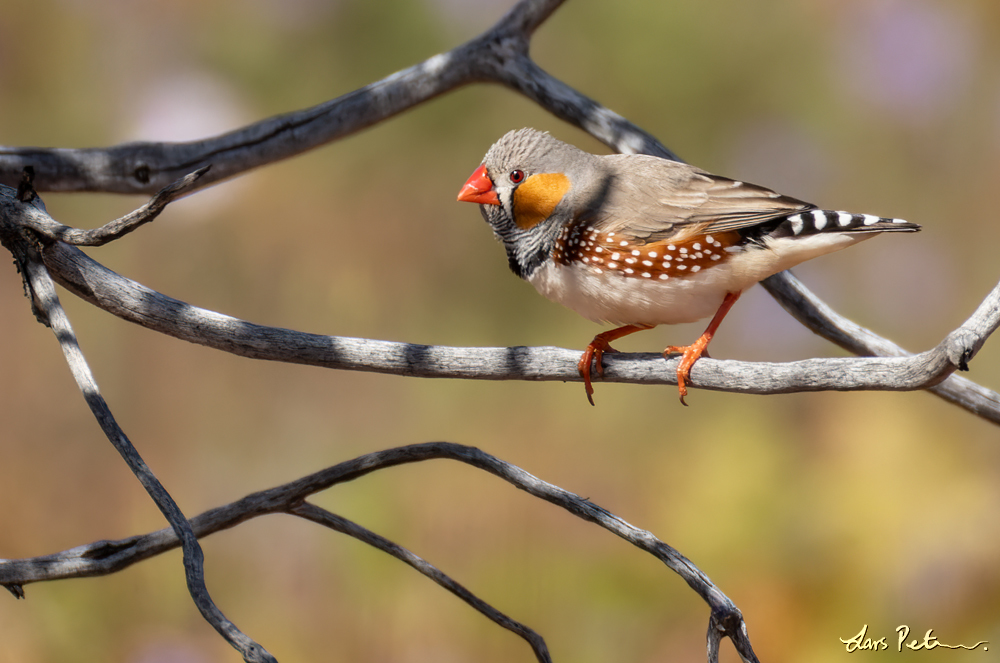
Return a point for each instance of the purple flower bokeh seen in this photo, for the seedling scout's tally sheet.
(911, 59)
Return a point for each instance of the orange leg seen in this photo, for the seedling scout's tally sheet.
(691, 353)
(596, 350)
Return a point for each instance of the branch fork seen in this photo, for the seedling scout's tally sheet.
(46, 252)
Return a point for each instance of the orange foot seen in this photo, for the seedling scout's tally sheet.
(692, 353)
(596, 350)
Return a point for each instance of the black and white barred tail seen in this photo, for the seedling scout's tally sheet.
(811, 222)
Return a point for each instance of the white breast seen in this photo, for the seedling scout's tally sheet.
(622, 299)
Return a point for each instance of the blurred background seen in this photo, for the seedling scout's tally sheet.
(816, 513)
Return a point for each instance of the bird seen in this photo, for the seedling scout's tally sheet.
(640, 241)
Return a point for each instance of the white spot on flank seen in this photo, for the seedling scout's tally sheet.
(695, 269)
(635, 252)
(612, 265)
(630, 261)
(666, 265)
(682, 266)
(696, 246)
(629, 270)
(646, 275)
(716, 257)
(598, 250)
(586, 259)
(709, 239)
(616, 256)
(671, 247)
(664, 277)
(652, 254)
(683, 250)
(647, 263)
(870, 219)
(610, 235)
(623, 243)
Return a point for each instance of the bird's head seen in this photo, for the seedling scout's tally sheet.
(524, 189)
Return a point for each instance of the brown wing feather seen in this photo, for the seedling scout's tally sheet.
(661, 199)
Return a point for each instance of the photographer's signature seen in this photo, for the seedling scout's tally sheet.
(861, 642)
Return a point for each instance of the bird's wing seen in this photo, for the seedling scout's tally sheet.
(660, 199)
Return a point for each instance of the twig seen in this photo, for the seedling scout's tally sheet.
(961, 345)
(48, 301)
(39, 220)
(340, 524)
(104, 557)
(499, 55)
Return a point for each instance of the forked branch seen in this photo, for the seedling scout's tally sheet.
(499, 55)
(104, 557)
(44, 294)
(42, 246)
(932, 369)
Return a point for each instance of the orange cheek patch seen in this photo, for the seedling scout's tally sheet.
(536, 198)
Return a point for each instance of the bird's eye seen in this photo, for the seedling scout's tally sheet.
(517, 176)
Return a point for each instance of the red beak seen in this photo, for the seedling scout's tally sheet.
(479, 189)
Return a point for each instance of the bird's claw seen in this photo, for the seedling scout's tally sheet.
(593, 355)
(689, 355)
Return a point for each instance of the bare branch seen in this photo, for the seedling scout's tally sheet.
(499, 55)
(136, 303)
(104, 557)
(345, 526)
(48, 301)
(38, 219)
(960, 346)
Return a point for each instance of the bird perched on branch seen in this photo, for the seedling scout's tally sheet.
(640, 241)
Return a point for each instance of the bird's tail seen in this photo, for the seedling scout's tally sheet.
(815, 221)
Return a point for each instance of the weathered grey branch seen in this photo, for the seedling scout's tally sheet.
(961, 345)
(499, 55)
(136, 303)
(35, 217)
(104, 557)
(44, 293)
(340, 524)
